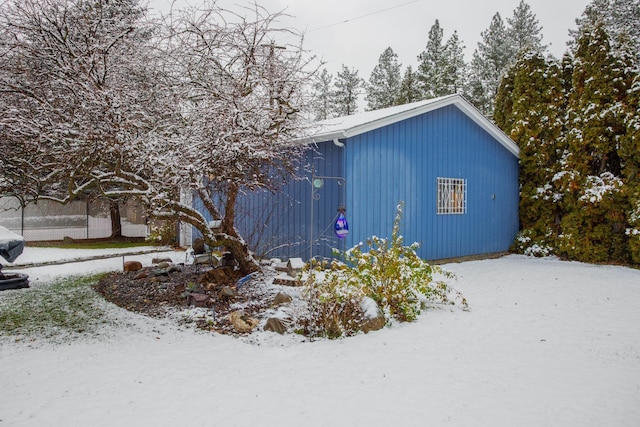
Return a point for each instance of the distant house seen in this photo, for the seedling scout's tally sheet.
(456, 172)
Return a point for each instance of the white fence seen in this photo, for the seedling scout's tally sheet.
(48, 220)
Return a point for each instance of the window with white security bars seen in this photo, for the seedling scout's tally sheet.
(452, 196)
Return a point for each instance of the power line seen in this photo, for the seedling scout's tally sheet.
(362, 16)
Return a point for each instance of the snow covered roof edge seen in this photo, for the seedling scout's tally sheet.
(349, 126)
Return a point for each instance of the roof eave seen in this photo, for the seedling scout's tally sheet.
(459, 101)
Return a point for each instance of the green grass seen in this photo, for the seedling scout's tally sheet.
(68, 307)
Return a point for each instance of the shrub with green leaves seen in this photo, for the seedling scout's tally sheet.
(386, 270)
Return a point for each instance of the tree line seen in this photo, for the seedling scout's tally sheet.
(577, 123)
(575, 119)
(441, 70)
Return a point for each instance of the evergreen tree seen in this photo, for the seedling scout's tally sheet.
(441, 66)
(490, 61)
(347, 89)
(431, 64)
(621, 20)
(322, 96)
(409, 88)
(455, 70)
(383, 89)
(524, 30)
(530, 109)
(630, 159)
(624, 25)
(593, 228)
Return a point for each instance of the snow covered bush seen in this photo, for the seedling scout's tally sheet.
(633, 231)
(393, 275)
(529, 243)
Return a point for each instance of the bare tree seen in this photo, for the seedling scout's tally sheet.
(100, 100)
(78, 81)
(241, 94)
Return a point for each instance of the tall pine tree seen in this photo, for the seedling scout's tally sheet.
(431, 64)
(524, 30)
(489, 63)
(383, 89)
(347, 89)
(322, 96)
(409, 88)
(455, 71)
(621, 20)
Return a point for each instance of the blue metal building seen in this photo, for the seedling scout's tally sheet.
(456, 172)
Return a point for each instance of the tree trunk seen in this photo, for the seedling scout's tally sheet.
(116, 223)
(240, 251)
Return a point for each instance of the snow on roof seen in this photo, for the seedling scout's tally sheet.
(356, 124)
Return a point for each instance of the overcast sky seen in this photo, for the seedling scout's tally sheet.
(356, 32)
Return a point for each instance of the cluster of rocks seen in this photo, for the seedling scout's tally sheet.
(233, 307)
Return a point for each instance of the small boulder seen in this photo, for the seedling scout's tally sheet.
(159, 279)
(275, 325)
(174, 269)
(142, 275)
(159, 272)
(132, 266)
(241, 322)
(373, 319)
(226, 293)
(164, 264)
(220, 276)
(286, 280)
(198, 300)
(159, 260)
(280, 299)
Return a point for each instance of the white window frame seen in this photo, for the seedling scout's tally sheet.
(451, 196)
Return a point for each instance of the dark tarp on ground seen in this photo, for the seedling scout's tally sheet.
(11, 244)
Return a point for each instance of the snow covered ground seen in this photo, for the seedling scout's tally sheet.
(546, 343)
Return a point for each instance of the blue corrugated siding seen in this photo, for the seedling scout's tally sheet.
(401, 162)
(277, 225)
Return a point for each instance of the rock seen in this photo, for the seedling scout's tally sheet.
(132, 266)
(159, 272)
(159, 260)
(374, 324)
(295, 266)
(241, 322)
(220, 276)
(373, 319)
(142, 275)
(198, 300)
(226, 292)
(286, 280)
(159, 279)
(275, 325)
(281, 299)
(164, 264)
(174, 269)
